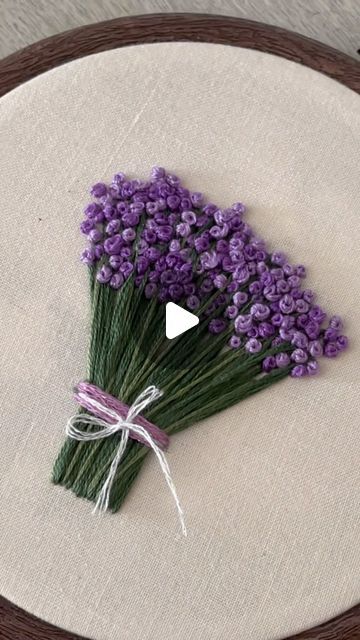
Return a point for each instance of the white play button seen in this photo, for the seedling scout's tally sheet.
(178, 320)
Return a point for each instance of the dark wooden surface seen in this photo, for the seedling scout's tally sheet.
(93, 38)
(16, 624)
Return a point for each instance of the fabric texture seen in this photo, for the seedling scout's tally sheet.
(273, 513)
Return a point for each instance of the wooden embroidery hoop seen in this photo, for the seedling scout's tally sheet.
(47, 54)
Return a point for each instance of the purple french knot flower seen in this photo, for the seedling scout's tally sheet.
(150, 290)
(287, 304)
(112, 227)
(189, 217)
(130, 219)
(126, 268)
(173, 202)
(217, 325)
(302, 320)
(119, 178)
(315, 348)
(113, 245)
(243, 323)
(99, 251)
(312, 329)
(92, 210)
(331, 350)
(253, 332)
(255, 287)
(300, 271)
(220, 281)
(312, 368)
(209, 259)
(282, 360)
(239, 207)
(235, 342)
(277, 319)
(197, 199)
(240, 298)
(115, 262)
(317, 314)
(253, 345)
(298, 371)
(125, 252)
(95, 235)
(301, 306)
(157, 173)
(193, 302)
(88, 256)
(128, 235)
(164, 233)
(299, 356)
(266, 330)
(286, 334)
(269, 363)
(86, 226)
(288, 269)
(104, 275)
(342, 343)
(260, 311)
(117, 280)
(231, 312)
(331, 334)
(176, 291)
(300, 340)
(278, 258)
(98, 190)
(183, 229)
(336, 323)
(241, 275)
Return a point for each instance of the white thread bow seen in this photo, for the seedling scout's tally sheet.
(124, 426)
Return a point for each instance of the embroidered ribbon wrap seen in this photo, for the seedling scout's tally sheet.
(111, 416)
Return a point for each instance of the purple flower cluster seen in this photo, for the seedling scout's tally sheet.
(209, 260)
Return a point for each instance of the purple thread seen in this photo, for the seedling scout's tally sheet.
(95, 393)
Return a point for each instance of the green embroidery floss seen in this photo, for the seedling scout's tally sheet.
(151, 243)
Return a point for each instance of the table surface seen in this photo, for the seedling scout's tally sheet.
(333, 22)
(15, 623)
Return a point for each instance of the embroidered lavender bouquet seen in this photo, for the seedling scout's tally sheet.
(155, 242)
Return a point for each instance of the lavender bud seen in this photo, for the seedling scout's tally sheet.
(98, 190)
(330, 350)
(104, 275)
(342, 343)
(117, 281)
(113, 245)
(235, 342)
(312, 368)
(240, 298)
(299, 356)
(268, 364)
(298, 371)
(88, 256)
(243, 323)
(253, 345)
(95, 236)
(282, 359)
(115, 262)
(128, 235)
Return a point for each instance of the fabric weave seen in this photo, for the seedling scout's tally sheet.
(282, 551)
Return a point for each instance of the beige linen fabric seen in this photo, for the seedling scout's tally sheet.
(270, 488)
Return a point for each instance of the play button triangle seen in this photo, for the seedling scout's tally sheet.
(178, 320)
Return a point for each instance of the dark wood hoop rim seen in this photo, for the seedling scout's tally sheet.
(51, 52)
